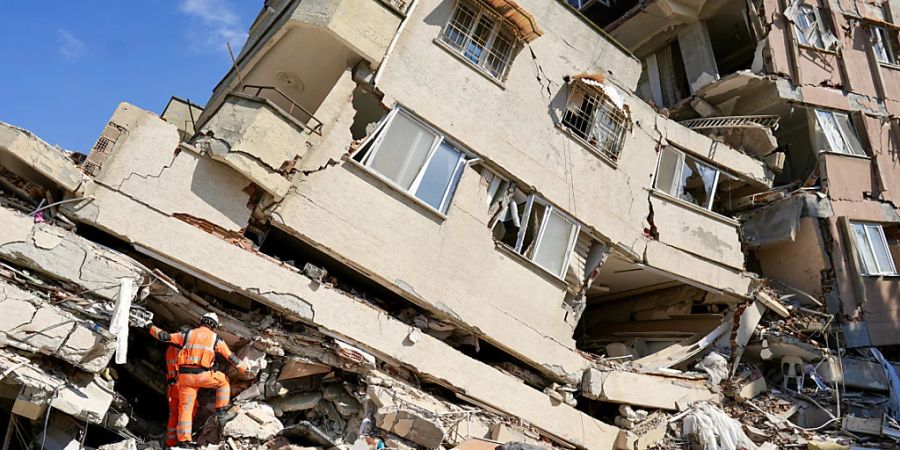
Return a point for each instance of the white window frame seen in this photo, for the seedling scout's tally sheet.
(881, 239)
(499, 28)
(548, 210)
(679, 170)
(377, 138)
(812, 33)
(596, 129)
(521, 220)
(882, 46)
(846, 145)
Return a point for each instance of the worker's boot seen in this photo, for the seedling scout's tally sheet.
(186, 444)
(223, 416)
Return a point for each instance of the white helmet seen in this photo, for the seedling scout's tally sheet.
(210, 318)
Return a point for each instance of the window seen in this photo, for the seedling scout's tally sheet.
(531, 227)
(884, 42)
(595, 119)
(416, 158)
(689, 179)
(481, 37)
(663, 79)
(872, 249)
(809, 27)
(835, 133)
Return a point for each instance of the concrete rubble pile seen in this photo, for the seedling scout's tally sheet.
(772, 375)
(415, 245)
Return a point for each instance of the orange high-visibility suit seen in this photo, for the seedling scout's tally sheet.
(195, 360)
(172, 393)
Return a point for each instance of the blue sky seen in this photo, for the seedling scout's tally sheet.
(66, 64)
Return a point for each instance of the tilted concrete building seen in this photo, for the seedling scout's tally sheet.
(478, 193)
(827, 73)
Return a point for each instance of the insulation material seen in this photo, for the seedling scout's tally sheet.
(118, 325)
(712, 429)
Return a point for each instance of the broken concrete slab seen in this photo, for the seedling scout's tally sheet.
(297, 368)
(298, 402)
(254, 421)
(289, 292)
(651, 391)
(23, 152)
(65, 256)
(410, 425)
(32, 324)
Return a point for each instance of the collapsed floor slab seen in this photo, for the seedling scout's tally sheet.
(279, 287)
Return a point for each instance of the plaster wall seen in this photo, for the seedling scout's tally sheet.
(780, 262)
(148, 165)
(882, 313)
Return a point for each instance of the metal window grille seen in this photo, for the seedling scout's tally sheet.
(480, 37)
(103, 145)
(90, 168)
(595, 119)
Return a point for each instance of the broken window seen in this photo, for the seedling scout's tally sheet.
(664, 76)
(884, 43)
(481, 37)
(582, 4)
(592, 116)
(416, 158)
(809, 27)
(530, 226)
(835, 132)
(689, 179)
(872, 249)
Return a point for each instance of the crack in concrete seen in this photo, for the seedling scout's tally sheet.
(149, 176)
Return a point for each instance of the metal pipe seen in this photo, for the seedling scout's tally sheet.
(387, 54)
(78, 199)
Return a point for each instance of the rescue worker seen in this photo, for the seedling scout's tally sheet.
(172, 390)
(198, 349)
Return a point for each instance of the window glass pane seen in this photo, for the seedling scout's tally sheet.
(808, 32)
(696, 182)
(459, 25)
(554, 244)
(439, 174)
(866, 256)
(879, 42)
(665, 174)
(882, 256)
(477, 43)
(828, 126)
(849, 134)
(403, 150)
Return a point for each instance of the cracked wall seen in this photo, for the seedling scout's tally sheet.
(151, 166)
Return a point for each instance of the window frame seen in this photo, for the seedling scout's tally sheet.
(880, 271)
(498, 182)
(845, 140)
(613, 113)
(880, 34)
(676, 177)
(817, 27)
(500, 26)
(376, 140)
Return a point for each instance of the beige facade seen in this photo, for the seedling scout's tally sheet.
(496, 217)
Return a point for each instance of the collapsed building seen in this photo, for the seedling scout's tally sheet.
(479, 223)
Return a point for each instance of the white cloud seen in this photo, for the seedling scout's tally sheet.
(217, 24)
(70, 47)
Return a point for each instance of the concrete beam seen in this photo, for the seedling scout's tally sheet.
(286, 290)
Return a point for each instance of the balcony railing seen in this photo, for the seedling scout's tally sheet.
(298, 112)
(733, 122)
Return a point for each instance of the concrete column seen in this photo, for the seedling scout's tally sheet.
(697, 53)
